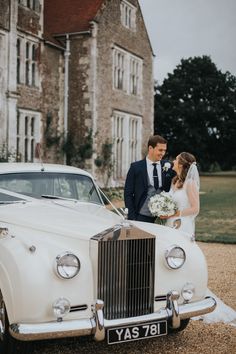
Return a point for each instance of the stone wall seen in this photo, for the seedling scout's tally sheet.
(79, 99)
(5, 14)
(52, 103)
(112, 32)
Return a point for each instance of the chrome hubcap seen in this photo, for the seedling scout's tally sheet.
(2, 317)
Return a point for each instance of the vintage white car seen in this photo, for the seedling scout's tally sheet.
(70, 267)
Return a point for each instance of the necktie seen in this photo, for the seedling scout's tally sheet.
(155, 176)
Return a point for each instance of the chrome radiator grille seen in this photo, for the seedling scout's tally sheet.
(126, 277)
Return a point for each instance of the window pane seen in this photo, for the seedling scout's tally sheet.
(32, 151)
(33, 74)
(27, 50)
(18, 124)
(26, 150)
(27, 73)
(18, 47)
(118, 145)
(18, 61)
(26, 125)
(33, 52)
(17, 149)
(32, 126)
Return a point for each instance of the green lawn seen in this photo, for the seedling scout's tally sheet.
(217, 219)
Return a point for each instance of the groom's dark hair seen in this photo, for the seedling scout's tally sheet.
(156, 139)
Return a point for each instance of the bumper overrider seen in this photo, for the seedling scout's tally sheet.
(97, 325)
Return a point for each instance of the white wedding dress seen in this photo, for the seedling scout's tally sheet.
(189, 211)
(185, 222)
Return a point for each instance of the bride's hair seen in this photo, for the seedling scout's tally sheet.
(185, 159)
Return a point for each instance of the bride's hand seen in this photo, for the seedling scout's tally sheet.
(164, 217)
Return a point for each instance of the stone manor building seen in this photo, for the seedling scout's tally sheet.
(76, 84)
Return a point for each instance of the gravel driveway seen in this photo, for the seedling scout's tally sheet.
(197, 338)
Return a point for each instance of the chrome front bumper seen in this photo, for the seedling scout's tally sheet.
(97, 325)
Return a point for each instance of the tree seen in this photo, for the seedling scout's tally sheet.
(195, 109)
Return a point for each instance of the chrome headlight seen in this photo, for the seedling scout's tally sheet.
(175, 257)
(67, 265)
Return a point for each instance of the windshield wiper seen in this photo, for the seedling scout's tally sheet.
(48, 196)
(13, 202)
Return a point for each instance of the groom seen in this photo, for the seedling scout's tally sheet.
(146, 178)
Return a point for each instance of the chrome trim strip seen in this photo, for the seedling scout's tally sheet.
(160, 298)
(78, 308)
(85, 327)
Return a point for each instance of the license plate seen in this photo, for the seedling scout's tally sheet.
(131, 333)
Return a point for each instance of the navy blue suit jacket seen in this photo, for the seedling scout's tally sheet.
(136, 186)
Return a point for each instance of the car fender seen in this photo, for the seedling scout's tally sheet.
(8, 288)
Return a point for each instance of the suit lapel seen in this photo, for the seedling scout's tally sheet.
(144, 172)
(163, 175)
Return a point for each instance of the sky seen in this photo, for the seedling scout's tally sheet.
(186, 28)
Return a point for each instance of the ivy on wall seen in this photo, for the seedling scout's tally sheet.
(78, 152)
(105, 163)
(6, 155)
(51, 135)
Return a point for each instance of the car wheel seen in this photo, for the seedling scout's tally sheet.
(183, 325)
(9, 345)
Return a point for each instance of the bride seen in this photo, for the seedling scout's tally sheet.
(185, 191)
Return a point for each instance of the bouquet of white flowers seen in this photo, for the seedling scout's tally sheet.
(162, 205)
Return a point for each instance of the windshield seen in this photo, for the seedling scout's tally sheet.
(8, 199)
(39, 184)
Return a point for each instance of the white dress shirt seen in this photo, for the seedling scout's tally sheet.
(150, 168)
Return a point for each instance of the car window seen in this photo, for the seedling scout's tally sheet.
(65, 185)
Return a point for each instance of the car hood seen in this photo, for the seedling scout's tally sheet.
(78, 220)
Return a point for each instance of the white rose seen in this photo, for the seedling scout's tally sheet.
(166, 166)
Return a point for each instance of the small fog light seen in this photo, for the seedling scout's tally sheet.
(188, 291)
(61, 307)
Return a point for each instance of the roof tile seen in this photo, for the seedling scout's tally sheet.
(69, 16)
